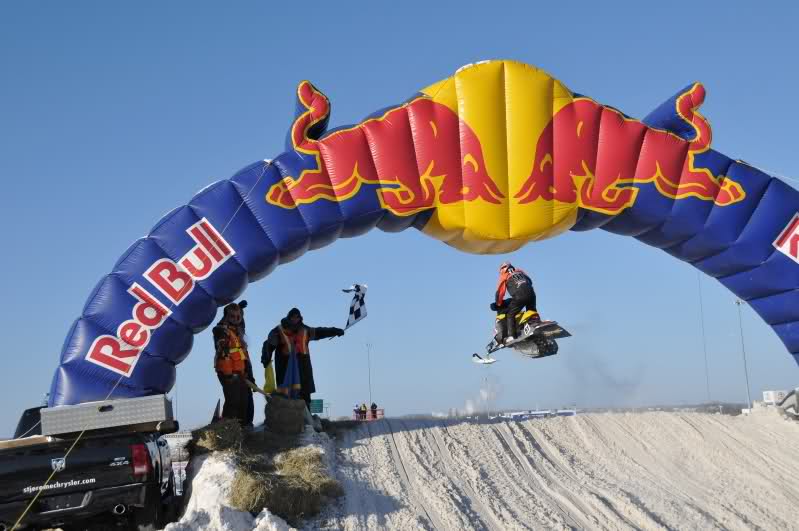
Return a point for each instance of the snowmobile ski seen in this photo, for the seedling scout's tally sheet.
(488, 360)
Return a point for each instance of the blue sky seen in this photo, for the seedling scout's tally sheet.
(111, 115)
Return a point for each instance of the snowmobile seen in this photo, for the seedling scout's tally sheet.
(536, 337)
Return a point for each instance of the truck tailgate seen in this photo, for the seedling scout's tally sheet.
(93, 463)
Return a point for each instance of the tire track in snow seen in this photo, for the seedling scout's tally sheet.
(595, 471)
(542, 480)
(359, 506)
(448, 499)
(375, 497)
(435, 522)
(487, 517)
(505, 486)
(380, 447)
(603, 498)
(640, 516)
(651, 462)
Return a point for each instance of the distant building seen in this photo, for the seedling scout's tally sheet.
(539, 414)
(773, 398)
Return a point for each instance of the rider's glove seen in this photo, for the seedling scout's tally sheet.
(493, 306)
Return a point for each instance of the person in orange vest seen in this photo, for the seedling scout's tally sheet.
(232, 364)
(291, 338)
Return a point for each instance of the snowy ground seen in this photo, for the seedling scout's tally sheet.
(207, 508)
(208, 487)
(598, 471)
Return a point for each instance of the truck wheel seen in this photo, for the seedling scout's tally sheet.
(172, 507)
(147, 518)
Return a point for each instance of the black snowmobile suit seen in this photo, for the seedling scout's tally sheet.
(522, 295)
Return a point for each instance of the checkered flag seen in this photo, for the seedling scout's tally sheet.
(358, 304)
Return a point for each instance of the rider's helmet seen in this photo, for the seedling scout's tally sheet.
(506, 267)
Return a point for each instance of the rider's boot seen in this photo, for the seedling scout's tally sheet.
(510, 324)
(501, 331)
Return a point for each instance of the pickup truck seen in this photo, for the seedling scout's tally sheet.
(118, 478)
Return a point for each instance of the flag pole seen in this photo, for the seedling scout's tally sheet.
(369, 365)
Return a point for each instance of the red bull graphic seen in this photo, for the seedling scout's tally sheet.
(788, 241)
(119, 353)
(177, 279)
(582, 157)
(419, 154)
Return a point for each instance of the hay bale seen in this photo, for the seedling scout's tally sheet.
(291, 500)
(269, 443)
(308, 466)
(284, 415)
(295, 486)
(219, 436)
(250, 490)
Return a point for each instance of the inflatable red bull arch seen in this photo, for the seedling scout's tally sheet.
(498, 155)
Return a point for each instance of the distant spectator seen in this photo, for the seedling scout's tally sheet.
(374, 410)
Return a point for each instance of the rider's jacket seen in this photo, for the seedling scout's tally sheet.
(516, 282)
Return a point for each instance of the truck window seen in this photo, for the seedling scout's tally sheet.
(29, 423)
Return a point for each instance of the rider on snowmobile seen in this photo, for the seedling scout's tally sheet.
(522, 295)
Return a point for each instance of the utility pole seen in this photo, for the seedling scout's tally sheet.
(738, 303)
(704, 339)
(369, 365)
(488, 399)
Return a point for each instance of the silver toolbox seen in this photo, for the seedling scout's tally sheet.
(142, 414)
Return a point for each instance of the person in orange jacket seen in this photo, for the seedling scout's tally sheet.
(522, 295)
(291, 337)
(232, 364)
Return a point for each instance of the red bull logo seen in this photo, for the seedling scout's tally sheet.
(502, 154)
(576, 161)
(419, 155)
(175, 280)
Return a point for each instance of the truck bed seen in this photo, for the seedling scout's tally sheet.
(25, 441)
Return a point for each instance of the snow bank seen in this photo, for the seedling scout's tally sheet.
(592, 471)
(209, 487)
(207, 508)
(323, 444)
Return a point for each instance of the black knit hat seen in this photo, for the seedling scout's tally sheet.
(294, 312)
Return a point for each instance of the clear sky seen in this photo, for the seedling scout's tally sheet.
(112, 114)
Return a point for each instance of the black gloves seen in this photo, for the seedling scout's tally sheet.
(243, 304)
(493, 306)
(338, 331)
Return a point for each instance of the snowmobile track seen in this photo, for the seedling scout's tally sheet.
(601, 494)
(420, 506)
(539, 479)
(487, 518)
(609, 471)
